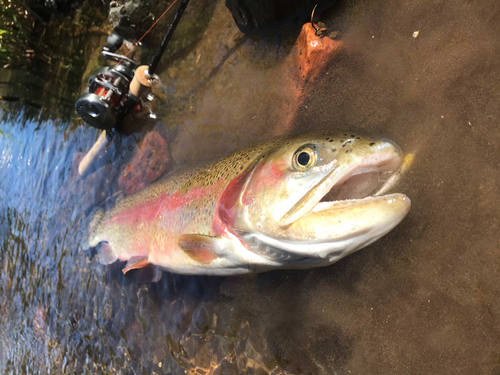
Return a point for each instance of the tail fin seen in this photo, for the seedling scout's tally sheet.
(105, 253)
(91, 228)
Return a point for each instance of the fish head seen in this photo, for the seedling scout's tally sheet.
(305, 201)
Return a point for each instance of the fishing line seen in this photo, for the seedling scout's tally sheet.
(146, 33)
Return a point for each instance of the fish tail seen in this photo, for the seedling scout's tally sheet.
(92, 237)
(92, 227)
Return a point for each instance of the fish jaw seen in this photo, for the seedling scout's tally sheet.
(331, 231)
(336, 229)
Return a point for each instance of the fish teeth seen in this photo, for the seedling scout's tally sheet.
(266, 250)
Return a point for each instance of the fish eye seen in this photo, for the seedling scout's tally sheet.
(304, 158)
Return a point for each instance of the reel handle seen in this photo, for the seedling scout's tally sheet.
(117, 58)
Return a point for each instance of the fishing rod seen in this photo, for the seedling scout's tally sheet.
(114, 91)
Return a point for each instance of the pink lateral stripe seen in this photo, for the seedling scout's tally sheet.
(178, 200)
(146, 212)
(143, 212)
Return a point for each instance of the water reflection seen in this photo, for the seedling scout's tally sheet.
(424, 299)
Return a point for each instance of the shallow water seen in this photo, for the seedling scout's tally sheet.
(423, 299)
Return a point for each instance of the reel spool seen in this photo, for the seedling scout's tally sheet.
(107, 95)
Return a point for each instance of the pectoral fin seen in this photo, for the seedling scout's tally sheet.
(136, 263)
(199, 247)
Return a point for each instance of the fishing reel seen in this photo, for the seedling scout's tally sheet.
(113, 92)
(108, 97)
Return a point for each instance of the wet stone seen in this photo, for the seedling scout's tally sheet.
(148, 162)
(226, 368)
(201, 321)
(182, 316)
(260, 17)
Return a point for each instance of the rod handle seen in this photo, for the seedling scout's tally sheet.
(101, 142)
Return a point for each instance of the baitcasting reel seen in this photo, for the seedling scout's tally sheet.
(107, 98)
(113, 92)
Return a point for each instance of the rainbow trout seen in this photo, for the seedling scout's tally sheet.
(296, 201)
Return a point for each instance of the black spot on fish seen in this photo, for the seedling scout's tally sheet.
(343, 145)
(373, 143)
(345, 134)
(352, 135)
(334, 150)
(331, 140)
(327, 138)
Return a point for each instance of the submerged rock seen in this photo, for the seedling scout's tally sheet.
(131, 19)
(265, 17)
(314, 52)
(148, 163)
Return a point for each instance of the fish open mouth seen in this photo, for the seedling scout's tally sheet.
(346, 185)
(355, 187)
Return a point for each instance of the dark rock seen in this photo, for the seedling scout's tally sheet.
(264, 17)
(147, 164)
(131, 19)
